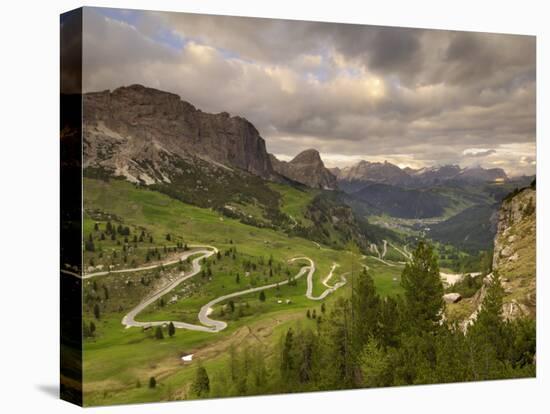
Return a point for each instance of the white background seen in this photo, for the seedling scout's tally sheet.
(29, 176)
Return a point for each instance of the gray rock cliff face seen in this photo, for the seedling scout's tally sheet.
(138, 132)
(514, 257)
(306, 168)
(516, 227)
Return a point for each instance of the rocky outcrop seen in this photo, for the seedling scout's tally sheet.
(137, 132)
(452, 297)
(514, 257)
(306, 168)
(518, 212)
(515, 252)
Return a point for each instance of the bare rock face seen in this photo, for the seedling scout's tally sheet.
(516, 226)
(514, 257)
(452, 297)
(515, 253)
(306, 168)
(137, 131)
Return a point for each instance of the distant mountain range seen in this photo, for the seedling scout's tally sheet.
(351, 178)
(384, 173)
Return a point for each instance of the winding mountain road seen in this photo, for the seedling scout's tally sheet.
(380, 258)
(211, 325)
(208, 324)
(404, 252)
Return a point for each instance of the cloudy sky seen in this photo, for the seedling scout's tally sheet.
(410, 96)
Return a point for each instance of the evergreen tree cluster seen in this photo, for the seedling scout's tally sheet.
(369, 341)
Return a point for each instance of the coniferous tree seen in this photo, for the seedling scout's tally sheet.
(89, 245)
(262, 296)
(158, 333)
(287, 357)
(490, 336)
(258, 371)
(306, 351)
(489, 320)
(97, 311)
(152, 382)
(201, 384)
(366, 308)
(524, 343)
(375, 366)
(389, 327)
(423, 289)
(171, 329)
(338, 365)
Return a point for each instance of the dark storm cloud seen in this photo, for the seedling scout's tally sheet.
(383, 49)
(393, 48)
(351, 91)
(474, 57)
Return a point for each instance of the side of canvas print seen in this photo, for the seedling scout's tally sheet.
(274, 206)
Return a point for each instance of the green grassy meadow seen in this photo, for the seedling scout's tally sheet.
(118, 362)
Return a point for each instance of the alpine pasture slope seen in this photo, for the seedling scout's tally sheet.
(123, 352)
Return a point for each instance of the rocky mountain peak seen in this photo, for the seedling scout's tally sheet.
(309, 156)
(306, 168)
(134, 131)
